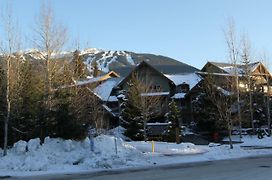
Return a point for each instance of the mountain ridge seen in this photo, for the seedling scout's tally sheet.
(120, 61)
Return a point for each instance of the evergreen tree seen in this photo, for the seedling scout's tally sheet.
(205, 115)
(79, 66)
(173, 117)
(95, 69)
(86, 108)
(246, 60)
(26, 98)
(131, 115)
(65, 124)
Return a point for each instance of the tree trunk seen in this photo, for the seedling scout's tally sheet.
(229, 133)
(238, 105)
(177, 135)
(6, 129)
(8, 107)
(145, 121)
(6, 136)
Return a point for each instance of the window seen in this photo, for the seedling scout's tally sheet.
(155, 88)
(183, 88)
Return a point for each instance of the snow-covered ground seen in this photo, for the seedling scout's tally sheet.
(63, 156)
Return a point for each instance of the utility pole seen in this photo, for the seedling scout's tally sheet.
(268, 105)
(250, 106)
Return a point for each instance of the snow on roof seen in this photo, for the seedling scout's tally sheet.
(155, 94)
(217, 74)
(113, 99)
(253, 66)
(230, 68)
(107, 108)
(95, 79)
(179, 95)
(225, 92)
(103, 91)
(191, 79)
(87, 81)
(121, 96)
(157, 124)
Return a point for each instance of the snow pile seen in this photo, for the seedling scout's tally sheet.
(64, 155)
(34, 144)
(217, 152)
(168, 148)
(248, 140)
(58, 155)
(20, 147)
(224, 152)
(119, 133)
(254, 141)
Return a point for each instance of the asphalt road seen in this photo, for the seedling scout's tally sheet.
(254, 168)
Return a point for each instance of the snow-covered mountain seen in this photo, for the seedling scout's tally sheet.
(119, 61)
(123, 61)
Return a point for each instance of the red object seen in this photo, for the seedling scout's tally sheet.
(216, 137)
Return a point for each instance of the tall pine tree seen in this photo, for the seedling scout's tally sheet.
(131, 116)
(173, 117)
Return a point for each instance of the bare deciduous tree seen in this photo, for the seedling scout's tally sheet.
(222, 100)
(50, 39)
(9, 46)
(233, 53)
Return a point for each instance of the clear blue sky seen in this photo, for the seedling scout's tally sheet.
(189, 31)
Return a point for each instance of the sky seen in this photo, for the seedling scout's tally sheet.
(190, 31)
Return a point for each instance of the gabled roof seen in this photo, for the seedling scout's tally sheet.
(256, 69)
(230, 68)
(100, 78)
(138, 67)
(192, 79)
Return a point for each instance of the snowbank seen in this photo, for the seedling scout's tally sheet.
(253, 141)
(58, 155)
(63, 156)
(168, 148)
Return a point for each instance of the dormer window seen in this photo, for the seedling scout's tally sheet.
(182, 88)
